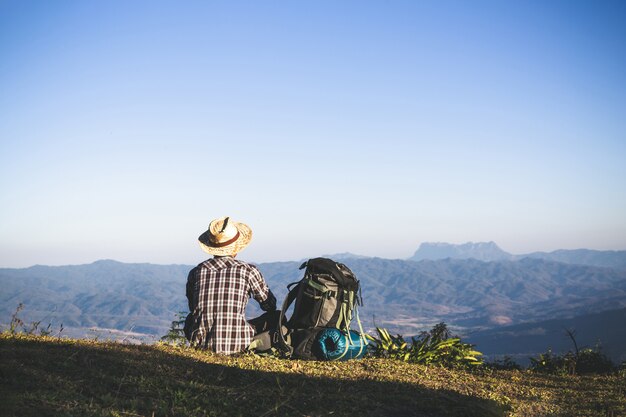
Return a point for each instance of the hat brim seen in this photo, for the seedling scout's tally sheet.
(245, 236)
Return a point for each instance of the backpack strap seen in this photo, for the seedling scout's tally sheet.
(362, 338)
(281, 341)
(349, 311)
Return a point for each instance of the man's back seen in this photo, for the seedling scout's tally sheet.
(218, 290)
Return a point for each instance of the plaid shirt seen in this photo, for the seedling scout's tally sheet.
(218, 290)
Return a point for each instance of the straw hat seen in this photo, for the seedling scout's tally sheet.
(225, 237)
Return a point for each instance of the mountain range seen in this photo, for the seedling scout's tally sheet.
(490, 251)
(139, 301)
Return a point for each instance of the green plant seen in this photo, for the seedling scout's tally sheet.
(548, 363)
(17, 325)
(593, 361)
(585, 361)
(388, 346)
(434, 347)
(506, 363)
(43, 331)
(176, 333)
(16, 322)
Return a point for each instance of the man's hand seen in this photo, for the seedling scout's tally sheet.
(270, 302)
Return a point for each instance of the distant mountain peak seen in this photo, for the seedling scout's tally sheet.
(344, 256)
(483, 251)
(106, 262)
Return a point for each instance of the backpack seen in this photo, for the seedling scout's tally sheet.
(266, 333)
(327, 296)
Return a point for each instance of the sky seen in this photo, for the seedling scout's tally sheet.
(326, 126)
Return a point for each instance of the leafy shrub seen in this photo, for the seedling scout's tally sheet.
(434, 347)
(593, 361)
(548, 363)
(176, 334)
(585, 361)
(506, 363)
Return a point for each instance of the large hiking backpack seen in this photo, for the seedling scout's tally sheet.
(326, 297)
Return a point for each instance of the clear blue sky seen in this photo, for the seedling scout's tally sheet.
(327, 126)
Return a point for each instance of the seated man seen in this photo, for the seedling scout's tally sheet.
(218, 290)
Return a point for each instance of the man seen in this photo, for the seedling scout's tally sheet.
(218, 290)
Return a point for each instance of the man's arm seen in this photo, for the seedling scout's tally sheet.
(270, 302)
(191, 279)
(260, 291)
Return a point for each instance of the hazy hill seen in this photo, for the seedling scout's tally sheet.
(489, 251)
(344, 256)
(608, 258)
(483, 251)
(140, 298)
(525, 340)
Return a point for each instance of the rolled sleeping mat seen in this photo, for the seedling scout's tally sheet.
(333, 345)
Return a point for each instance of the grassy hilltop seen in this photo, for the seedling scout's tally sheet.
(44, 376)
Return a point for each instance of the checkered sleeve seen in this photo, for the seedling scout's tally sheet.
(189, 289)
(258, 287)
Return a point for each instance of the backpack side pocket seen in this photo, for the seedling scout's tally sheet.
(309, 304)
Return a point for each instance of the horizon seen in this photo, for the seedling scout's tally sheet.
(328, 127)
(243, 257)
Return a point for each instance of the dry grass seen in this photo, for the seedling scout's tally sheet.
(42, 376)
